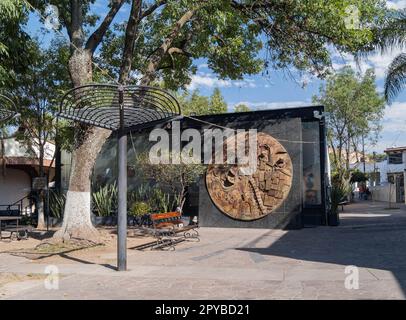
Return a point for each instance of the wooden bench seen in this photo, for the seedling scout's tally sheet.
(168, 230)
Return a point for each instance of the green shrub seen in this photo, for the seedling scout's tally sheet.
(56, 203)
(140, 208)
(157, 200)
(338, 192)
(105, 200)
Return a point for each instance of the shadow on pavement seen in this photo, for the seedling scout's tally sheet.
(377, 242)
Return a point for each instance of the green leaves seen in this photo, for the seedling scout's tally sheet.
(198, 105)
(355, 109)
(14, 56)
(105, 200)
(396, 77)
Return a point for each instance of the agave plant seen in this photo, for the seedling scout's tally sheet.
(56, 203)
(105, 200)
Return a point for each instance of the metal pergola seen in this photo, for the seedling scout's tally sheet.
(7, 109)
(121, 109)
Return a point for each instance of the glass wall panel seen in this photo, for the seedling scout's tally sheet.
(311, 164)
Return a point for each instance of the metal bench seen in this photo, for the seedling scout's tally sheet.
(167, 231)
(16, 230)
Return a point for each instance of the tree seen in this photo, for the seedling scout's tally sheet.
(355, 109)
(162, 37)
(176, 177)
(241, 107)
(14, 49)
(197, 104)
(39, 88)
(217, 103)
(358, 176)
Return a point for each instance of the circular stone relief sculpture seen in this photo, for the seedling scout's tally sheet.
(251, 197)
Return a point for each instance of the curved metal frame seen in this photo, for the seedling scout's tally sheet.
(119, 108)
(7, 108)
(99, 105)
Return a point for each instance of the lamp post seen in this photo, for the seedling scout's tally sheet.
(122, 188)
(120, 109)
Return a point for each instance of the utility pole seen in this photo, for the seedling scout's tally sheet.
(375, 177)
(363, 152)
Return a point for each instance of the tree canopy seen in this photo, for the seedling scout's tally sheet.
(14, 41)
(354, 109)
(236, 37)
(197, 104)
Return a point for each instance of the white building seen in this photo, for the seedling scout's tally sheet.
(387, 178)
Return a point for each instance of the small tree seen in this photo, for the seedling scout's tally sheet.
(242, 108)
(176, 177)
(358, 176)
(38, 90)
(355, 108)
(197, 104)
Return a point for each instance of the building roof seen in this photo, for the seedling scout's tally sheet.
(394, 149)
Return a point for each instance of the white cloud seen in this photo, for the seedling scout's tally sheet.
(393, 128)
(203, 66)
(378, 61)
(397, 4)
(271, 105)
(202, 79)
(394, 119)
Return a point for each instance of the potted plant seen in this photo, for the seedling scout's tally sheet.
(337, 195)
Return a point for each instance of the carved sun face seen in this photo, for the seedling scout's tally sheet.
(251, 197)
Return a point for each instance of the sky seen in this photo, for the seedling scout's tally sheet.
(281, 88)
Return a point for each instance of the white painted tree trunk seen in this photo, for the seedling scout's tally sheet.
(76, 220)
(77, 223)
(41, 217)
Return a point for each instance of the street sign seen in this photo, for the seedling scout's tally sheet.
(39, 183)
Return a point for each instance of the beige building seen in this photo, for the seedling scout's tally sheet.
(18, 167)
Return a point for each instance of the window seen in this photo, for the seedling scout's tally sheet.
(395, 158)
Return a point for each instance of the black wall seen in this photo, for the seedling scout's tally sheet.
(283, 130)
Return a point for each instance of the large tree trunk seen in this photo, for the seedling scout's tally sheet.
(76, 221)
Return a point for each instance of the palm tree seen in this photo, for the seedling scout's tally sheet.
(391, 35)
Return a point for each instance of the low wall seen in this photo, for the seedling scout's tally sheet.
(381, 193)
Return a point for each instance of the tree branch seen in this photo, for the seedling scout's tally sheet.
(152, 8)
(163, 49)
(96, 37)
(77, 23)
(131, 33)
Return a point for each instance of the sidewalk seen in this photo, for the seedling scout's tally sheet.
(244, 264)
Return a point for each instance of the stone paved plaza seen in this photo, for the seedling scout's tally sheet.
(244, 264)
